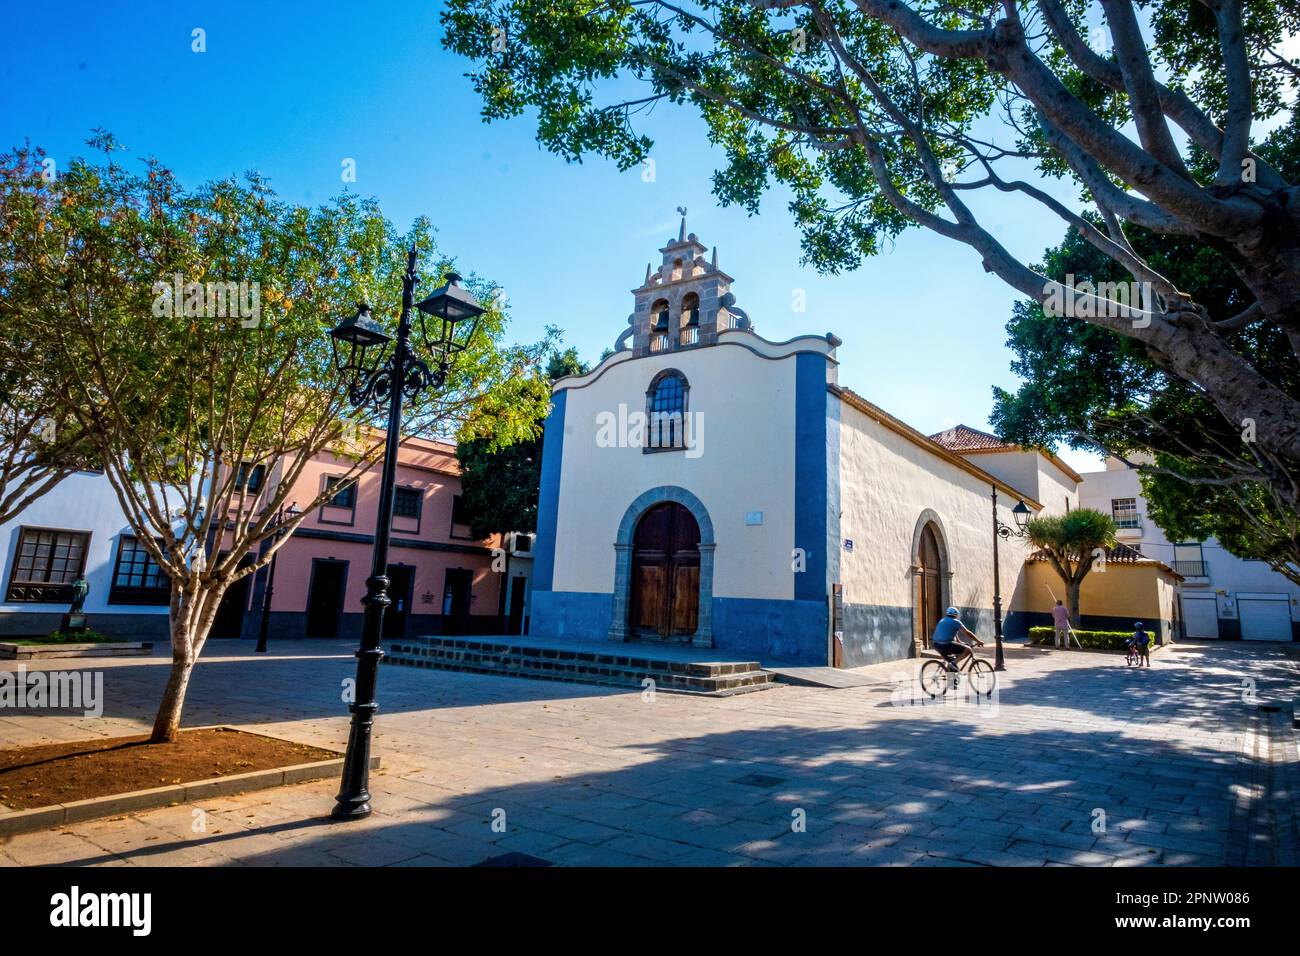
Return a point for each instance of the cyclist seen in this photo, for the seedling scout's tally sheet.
(946, 638)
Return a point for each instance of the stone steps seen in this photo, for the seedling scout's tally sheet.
(615, 668)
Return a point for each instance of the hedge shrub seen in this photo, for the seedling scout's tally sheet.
(1091, 640)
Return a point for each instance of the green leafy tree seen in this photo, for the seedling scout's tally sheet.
(1095, 390)
(178, 393)
(875, 115)
(565, 363)
(1072, 543)
(39, 446)
(500, 477)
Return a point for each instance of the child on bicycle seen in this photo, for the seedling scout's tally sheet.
(1140, 644)
(1131, 655)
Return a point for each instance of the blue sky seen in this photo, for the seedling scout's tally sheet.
(294, 89)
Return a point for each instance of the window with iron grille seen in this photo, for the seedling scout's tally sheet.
(1125, 513)
(406, 503)
(137, 579)
(667, 401)
(344, 497)
(46, 563)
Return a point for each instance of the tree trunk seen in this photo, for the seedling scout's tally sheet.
(189, 630)
(167, 725)
(1072, 589)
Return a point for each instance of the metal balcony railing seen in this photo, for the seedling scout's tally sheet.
(690, 335)
(658, 342)
(1128, 522)
(1191, 569)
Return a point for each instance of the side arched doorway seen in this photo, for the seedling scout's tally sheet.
(665, 598)
(930, 576)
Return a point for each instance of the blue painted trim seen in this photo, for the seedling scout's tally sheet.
(771, 631)
(548, 503)
(575, 615)
(810, 475)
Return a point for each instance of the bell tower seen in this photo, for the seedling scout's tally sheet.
(684, 303)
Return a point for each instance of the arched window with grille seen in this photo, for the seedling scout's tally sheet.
(666, 410)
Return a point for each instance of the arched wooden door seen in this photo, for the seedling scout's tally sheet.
(665, 599)
(930, 575)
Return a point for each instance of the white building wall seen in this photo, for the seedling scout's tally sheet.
(81, 502)
(1055, 488)
(886, 482)
(745, 464)
(1228, 576)
(1034, 474)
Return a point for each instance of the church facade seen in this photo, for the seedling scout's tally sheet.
(706, 486)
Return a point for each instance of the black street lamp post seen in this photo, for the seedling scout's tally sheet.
(1021, 513)
(283, 515)
(374, 378)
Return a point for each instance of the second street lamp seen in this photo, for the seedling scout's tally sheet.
(282, 516)
(375, 377)
(1022, 514)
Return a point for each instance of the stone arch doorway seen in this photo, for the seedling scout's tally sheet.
(932, 576)
(664, 603)
(664, 549)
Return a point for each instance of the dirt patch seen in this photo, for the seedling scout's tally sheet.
(60, 773)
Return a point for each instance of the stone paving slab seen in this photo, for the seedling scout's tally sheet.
(1077, 762)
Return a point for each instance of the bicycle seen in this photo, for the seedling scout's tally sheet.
(937, 676)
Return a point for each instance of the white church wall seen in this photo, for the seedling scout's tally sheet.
(886, 483)
(744, 467)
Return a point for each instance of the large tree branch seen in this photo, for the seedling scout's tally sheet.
(1140, 84)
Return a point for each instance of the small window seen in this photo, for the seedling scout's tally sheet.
(459, 523)
(249, 477)
(345, 496)
(523, 543)
(46, 563)
(1124, 511)
(406, 503)
(1189, 559)
(137, 579)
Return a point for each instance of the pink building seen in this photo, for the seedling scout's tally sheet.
(442, 578)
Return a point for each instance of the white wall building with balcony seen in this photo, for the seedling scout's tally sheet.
(1222, 596)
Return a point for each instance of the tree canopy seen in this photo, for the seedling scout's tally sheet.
(185, 332)
(1073, 543)
(876, 115)
(1098, 391)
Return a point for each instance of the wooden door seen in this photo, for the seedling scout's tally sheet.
(457, 588)
(325, 597)
(665, 602)
(931, 575)
(396, 615)
(515, 622)
(229, 620)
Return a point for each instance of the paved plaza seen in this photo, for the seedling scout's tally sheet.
(1077, 761)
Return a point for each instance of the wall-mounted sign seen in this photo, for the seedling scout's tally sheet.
(848, 544)
(753, 517)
